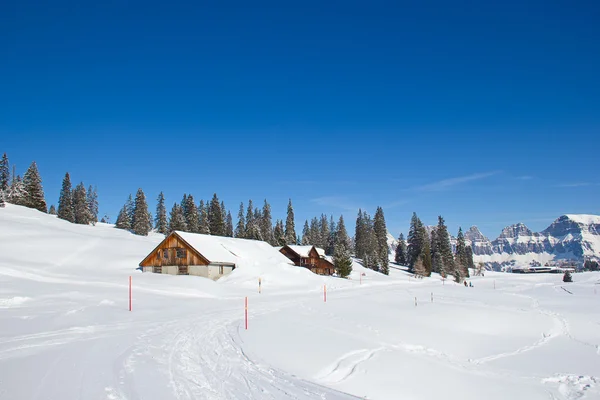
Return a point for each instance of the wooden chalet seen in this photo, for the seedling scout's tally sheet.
(184, 253)
(309, 257)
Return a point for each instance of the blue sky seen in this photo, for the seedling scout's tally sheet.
(487, 114)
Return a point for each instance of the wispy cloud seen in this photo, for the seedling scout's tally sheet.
(577, 184)
(525, 178)
(448, 183)
(341, 202)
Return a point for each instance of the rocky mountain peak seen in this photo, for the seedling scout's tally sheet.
(514, 231)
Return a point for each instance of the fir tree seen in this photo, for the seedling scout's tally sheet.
(2, 202)
(342, 235)
(130, 207)
(290, 229)
(192, 217)
(65, 200)
(359, 239)
(160, 221)
(215, 217)
(92, 200)
(142, 220)
(105, 219)
(224, 215)
(313, 235)
(81, 210)
(460, 259)
(34, 192)
(123, 221)
(415, 241)
(17, 192)
(229, 225)
(266, 224)
(445, 248)
(400, 257)
(279, 233)
(323, 232)
(52, 210)
(184, 205)
(437, 262)
(252, 228)
(329, 250)
(341, 256)
(203, 225)
(305, 234)
(240, 227)
(470, 263)
(425, 255)
(380, 231)
(4, 175)
(368, 243)
(177, 219)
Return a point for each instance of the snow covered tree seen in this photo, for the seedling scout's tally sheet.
(359, 236)
(437, 262)
(129, 205)
(34, 192)
(215, 217)
(445, 249)
(470, 263)
(123, 221)
(81, 211)
(400, 257)
(329, 250)
(380, 231)
(266, 224)
(52, 210)
(4, 175)
(17, 192)
(279, 233)
(105, 219)
(224, 215)
(177, 219)
(342, 234)
(203, 224)
(415, 241)
(92, 200)
(160, 220)
(305, 234)
(367, 245)
(425, 255)
(323, 232)
(290, 229)
(229, 225)
(65, 200)
(341, 255)
(567, 277)
(313, 232)
(240, 227)
(2, 202)
(192, 218)
(142, 219)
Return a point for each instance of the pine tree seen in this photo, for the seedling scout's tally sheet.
(105, 219)
(461, 261)
(329, 250)
(368, 243)
(323, 232)
(444, 248)
(81, 211)
(382, 249)
(215, 217)
(34, 192)
(425, 255)
(160, 221)
(192, 217)
(2, 202)
(305, 234)
(266, 224)
(177, 219)
(141, 223)
(252, 228)
(415, 242)
(341, 256)
(400, 257)
(240, 227)
(123, 221)
(470, 263)
(203, 226)
(52, 210)
(359, 239)
(229, 225)
(437, 262)
(313, 232)
(17, 192)
(65, 200)
(290, 229)
(279, 233)
(92, 200)
(342, 234)
(4, 175)
(224, 215)
(130, 206)
(184, 205)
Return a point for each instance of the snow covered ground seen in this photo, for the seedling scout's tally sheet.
(66, 332)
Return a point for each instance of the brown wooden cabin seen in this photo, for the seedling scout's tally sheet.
(177, 256)
(309, 257)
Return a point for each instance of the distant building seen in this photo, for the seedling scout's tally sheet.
(184, 253)
(309, 257)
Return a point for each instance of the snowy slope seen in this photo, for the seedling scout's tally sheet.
(66, 333)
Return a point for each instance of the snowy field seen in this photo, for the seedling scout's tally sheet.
(66, 332)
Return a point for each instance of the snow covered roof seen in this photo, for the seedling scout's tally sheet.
(303, 251)
(219, 249)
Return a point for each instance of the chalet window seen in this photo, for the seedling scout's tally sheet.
(158, 254)
(166, 254)
(181, 253)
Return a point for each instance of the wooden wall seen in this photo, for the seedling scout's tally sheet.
(170, 245)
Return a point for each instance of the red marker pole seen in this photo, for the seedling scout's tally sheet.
(324, 293)
(246, 312)
(130, 293)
